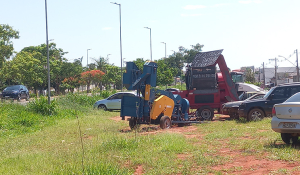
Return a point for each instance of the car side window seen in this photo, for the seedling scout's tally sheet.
(278, 93)
(295, 89)
(131, 95)
(118, 96)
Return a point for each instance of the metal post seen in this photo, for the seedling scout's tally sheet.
(264, 78)
(150, 43)
(275, 71)
(297, 65)
(120, 43)
(48, 64)
(165, 49)
(87, 58)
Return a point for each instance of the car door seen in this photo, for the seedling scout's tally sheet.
(115, 101)
(279, 95)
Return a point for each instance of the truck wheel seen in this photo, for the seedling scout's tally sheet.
(256, 115)
(133, 123)
(287, 137)
(205, 113)
(165, 122)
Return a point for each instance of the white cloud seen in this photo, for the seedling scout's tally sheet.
(106, 28)
(187, 15)
(250, 1)
(193, 7)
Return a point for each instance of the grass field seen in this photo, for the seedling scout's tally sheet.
(36, 143)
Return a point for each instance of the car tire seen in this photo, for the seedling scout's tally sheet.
(287, 138)
(102, 107)
(165, 122)
(205, 113)
(27, 97)
(19, 97)
(255, 115)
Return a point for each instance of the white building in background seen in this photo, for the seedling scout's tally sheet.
(284, 75)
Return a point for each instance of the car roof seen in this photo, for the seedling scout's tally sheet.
(289, 84)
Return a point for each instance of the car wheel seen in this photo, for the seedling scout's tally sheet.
(102, 107)
(19, 97)
(165, 122)
(205, 113)
(27, 97)
(287, 138)
(256, 115)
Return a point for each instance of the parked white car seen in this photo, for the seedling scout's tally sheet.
(286, 119)
(113, 102)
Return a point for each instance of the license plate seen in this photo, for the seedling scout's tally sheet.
(289, 125)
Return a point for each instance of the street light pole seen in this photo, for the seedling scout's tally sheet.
(87, 57)
(297, 65)
(120, 43)
(48, 64)
(150, 42)
(165, 49)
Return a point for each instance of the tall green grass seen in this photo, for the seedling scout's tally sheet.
(33, 142)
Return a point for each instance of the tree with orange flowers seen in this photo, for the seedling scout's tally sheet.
(93, 76)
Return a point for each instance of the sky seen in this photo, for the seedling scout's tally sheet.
(251, 32)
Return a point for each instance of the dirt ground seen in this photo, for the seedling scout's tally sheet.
(239, 164)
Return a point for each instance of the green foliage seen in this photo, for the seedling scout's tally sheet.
(249, 76)
(7, 33)
(41, 106)
(82, 99)
(105, 94)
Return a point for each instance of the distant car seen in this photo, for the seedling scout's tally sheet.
(16, 92)
(113, 102)
(286, 119)
(231, 108)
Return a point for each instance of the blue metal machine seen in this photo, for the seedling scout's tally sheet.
(151, 105)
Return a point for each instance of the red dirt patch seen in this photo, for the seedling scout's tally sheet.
(246, 165)
(139, 170)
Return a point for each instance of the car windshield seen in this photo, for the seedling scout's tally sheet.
(268, 93)
(294, 98)
(10, 88)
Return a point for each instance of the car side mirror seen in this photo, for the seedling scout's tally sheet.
(271, 96)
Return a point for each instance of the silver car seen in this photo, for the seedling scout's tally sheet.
(113, 102)
(286, 119)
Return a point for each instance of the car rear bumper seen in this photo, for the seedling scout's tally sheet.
(277, 125)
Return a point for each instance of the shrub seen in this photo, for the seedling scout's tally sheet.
(41, 106)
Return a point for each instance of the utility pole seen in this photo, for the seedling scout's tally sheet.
(297, 65)
(264, 79)
(259, 74)
(275, 69)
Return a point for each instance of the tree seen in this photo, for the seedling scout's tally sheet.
(165, 73)
(249, 76)
(112, 76)
(91, 76)
(24, 69)
(56, 57)
(7, 33)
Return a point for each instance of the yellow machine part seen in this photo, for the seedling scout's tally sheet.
(162, 104)
(147, 92)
